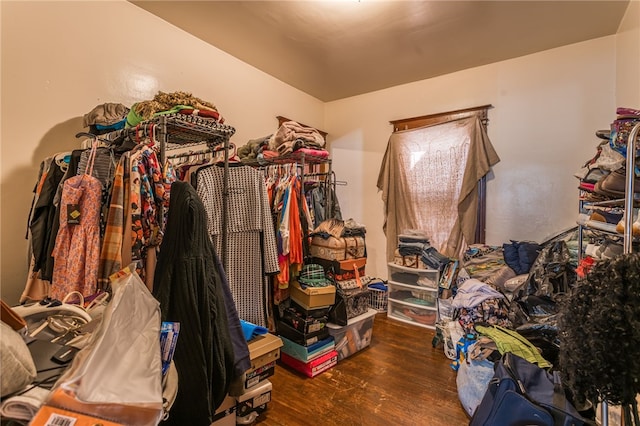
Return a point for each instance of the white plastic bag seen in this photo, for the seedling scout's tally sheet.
(117, 376)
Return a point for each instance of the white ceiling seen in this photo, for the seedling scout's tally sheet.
(335, 49)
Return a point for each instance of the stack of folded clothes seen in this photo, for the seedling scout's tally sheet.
(294, 137)
(415, 251)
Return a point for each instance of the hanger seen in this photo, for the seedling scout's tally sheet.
(233, 153)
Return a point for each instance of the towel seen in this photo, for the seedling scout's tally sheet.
(251, 330)
(25, 406)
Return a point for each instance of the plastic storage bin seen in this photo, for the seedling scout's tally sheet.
(414, 276)
(354, 336)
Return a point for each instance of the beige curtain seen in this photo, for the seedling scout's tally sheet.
(429, 181)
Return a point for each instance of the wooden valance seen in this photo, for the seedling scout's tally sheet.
(424, 120)
(282, 119)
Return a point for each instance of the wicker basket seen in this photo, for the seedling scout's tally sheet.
(378, 299)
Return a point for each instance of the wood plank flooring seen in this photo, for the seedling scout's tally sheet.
(400, 379)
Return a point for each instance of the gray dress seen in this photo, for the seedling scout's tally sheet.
(252, 251)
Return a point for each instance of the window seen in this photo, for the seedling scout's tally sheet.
(432, 178)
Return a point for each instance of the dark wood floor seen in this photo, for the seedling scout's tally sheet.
(400, 379)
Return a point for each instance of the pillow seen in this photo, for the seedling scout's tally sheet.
(527, 254)
(520, 255)
(16, 363)
(511, 256)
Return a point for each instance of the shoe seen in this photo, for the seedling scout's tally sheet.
(606, 216)
(635, 227)
(614, 184)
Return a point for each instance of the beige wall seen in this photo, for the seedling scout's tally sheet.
(547, 107)
(628, 58)
(60, 59)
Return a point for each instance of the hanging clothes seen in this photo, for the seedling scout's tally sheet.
(77, 248)
(251, 245)
(149, 185)
(43, 214)
(190, 291)
(111, 251)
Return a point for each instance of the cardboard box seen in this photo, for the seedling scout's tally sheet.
(321, 312)
(308, 353)
(354, 336)
(312, 297)
(264, 351)
(302, 322)
(225, 414)
(254, 400)
(314, 367)
(48, 415)
(285, 330)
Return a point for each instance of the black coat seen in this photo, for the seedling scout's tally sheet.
(189, 288)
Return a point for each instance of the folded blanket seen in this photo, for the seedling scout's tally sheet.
(290, 131)
(23, 407)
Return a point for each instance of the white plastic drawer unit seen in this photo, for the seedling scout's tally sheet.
(422, 297)
(412, 314)
(413, 276)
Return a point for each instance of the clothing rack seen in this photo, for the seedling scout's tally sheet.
(301, 160)
(178, 131)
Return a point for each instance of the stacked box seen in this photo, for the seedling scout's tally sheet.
(264, 351)
(307, 353)
(312, 297)
(314, 367)
(305, 338)
(302, 322)
(253, 403)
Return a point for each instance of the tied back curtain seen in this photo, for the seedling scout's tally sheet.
(429, 181)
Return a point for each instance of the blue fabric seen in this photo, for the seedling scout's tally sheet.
(511, 257)
(379, 286)
(527, 254)
(251, 330)
(115, 126)
(520, 255)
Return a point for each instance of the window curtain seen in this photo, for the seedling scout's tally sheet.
(429, 180)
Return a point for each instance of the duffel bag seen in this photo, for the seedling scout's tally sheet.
(333, 248)
(521, 393)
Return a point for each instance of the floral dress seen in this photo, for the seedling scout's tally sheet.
(77, 249)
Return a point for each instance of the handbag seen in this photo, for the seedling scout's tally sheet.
(521, 393)
(341, 270)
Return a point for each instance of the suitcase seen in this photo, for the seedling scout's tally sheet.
(334, 248)
(340, 270)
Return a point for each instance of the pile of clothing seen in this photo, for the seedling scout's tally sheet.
(290, 138)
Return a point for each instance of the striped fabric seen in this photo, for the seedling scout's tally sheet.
(111, 252)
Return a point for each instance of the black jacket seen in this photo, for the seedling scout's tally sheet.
(189, 288)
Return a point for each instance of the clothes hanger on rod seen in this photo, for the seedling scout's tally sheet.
(233, 154)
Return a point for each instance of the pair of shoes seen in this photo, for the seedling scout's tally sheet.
(635, 227)
(608, 216)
